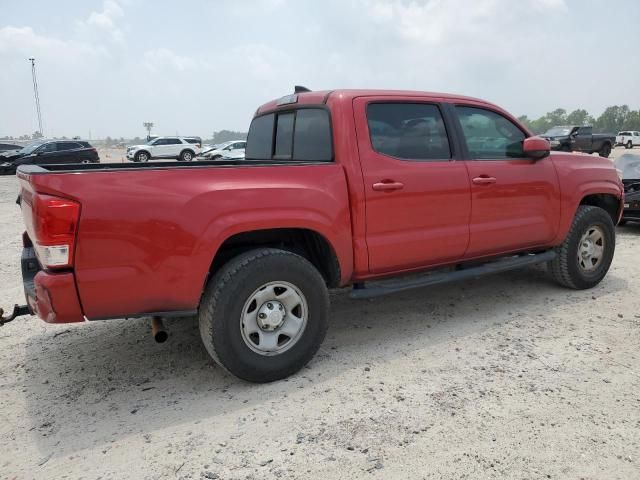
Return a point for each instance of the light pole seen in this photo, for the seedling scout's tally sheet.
(148, 126)
(35, 93)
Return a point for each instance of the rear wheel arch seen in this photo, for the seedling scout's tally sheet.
(307, 243)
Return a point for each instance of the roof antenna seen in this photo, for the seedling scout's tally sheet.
(300, 89)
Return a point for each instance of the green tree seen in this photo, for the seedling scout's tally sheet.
(632, 122)
(612, 119)
(580, 117)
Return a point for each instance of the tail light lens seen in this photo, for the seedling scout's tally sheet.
(54, 226)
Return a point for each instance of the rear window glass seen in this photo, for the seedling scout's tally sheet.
(260, 137)
(284, 136)
(302, 135)
(312, 138)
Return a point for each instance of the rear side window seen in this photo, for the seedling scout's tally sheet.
(300, 135)
(409, 131)
(489, 135)
(193, 140)
(68, 146)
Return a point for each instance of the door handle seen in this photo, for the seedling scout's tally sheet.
(387, 186)
(484, 180)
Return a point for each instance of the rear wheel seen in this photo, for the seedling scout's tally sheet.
(585, 256)
(605, 151)
(264, 314)
(186, 156)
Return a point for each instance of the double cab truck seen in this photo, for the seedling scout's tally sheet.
(576, 138)
(383, 191)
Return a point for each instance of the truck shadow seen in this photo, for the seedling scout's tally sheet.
(91, 385)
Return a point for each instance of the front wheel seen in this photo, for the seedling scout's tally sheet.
(264, 314)
(629, 145)
(142, 157)
(605, 151)
(585, 256)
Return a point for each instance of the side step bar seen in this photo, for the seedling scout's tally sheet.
(386, 287)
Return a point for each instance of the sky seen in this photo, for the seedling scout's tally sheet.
(193, 67)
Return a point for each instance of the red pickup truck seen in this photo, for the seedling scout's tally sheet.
(345, 187)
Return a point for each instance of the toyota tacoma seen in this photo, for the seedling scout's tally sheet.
(383, 191)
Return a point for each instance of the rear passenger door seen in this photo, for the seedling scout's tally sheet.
(69, 152)
(416, 186)
(515, 200)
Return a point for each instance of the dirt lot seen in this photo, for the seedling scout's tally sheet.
(504, 377)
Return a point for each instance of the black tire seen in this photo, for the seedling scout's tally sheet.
(141, 156)
(629, 145)
(216, 157)
(605, 150)
(565, 268)
(186, 156)
(231, 288)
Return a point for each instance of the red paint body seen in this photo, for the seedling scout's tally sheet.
(147, 237)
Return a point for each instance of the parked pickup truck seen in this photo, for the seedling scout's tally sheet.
(382, 190)
(575, 138)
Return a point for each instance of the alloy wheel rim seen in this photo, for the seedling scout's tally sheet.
(273, 318)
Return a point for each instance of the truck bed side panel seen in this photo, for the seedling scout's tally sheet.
(146, 239)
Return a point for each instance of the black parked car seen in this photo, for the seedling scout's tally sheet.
(48, 152)
(629, 167)
(9, 146)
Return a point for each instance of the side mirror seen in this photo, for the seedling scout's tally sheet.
(536, 148)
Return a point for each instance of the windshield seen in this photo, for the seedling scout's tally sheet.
(629, 165)
(31, 147)
(558, 131)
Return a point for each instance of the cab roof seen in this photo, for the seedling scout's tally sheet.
(322, 96)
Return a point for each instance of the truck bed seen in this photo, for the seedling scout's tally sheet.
(148, 233)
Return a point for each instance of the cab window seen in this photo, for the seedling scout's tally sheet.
(489, 135)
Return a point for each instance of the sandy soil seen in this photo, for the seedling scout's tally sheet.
(504, 377)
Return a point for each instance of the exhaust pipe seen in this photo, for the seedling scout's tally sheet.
(160, 335)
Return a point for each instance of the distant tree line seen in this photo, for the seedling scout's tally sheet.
(225, 136)
(612, 120)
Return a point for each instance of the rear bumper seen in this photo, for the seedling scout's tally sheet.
(51, 296)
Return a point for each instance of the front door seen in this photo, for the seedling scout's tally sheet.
(416, 188)
(515, 200)
(582, 139)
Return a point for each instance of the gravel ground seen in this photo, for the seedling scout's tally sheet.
(505, 377)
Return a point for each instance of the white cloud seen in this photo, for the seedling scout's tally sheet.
(104, 24)
(25, 41)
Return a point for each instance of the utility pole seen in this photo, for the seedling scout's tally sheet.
(35, 93)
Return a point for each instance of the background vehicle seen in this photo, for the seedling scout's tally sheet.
(575, 138)
(238, 154)
(224, 149)
(629, 167)
(44, 152)
(181, 148)
(338, 188)
(9, 146)
(628, 138)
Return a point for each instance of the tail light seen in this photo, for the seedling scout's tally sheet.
(54, 226)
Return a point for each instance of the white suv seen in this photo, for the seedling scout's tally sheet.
(217, 152)
(181, 148)
(628, 138)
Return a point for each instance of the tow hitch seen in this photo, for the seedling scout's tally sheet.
(18, 311)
